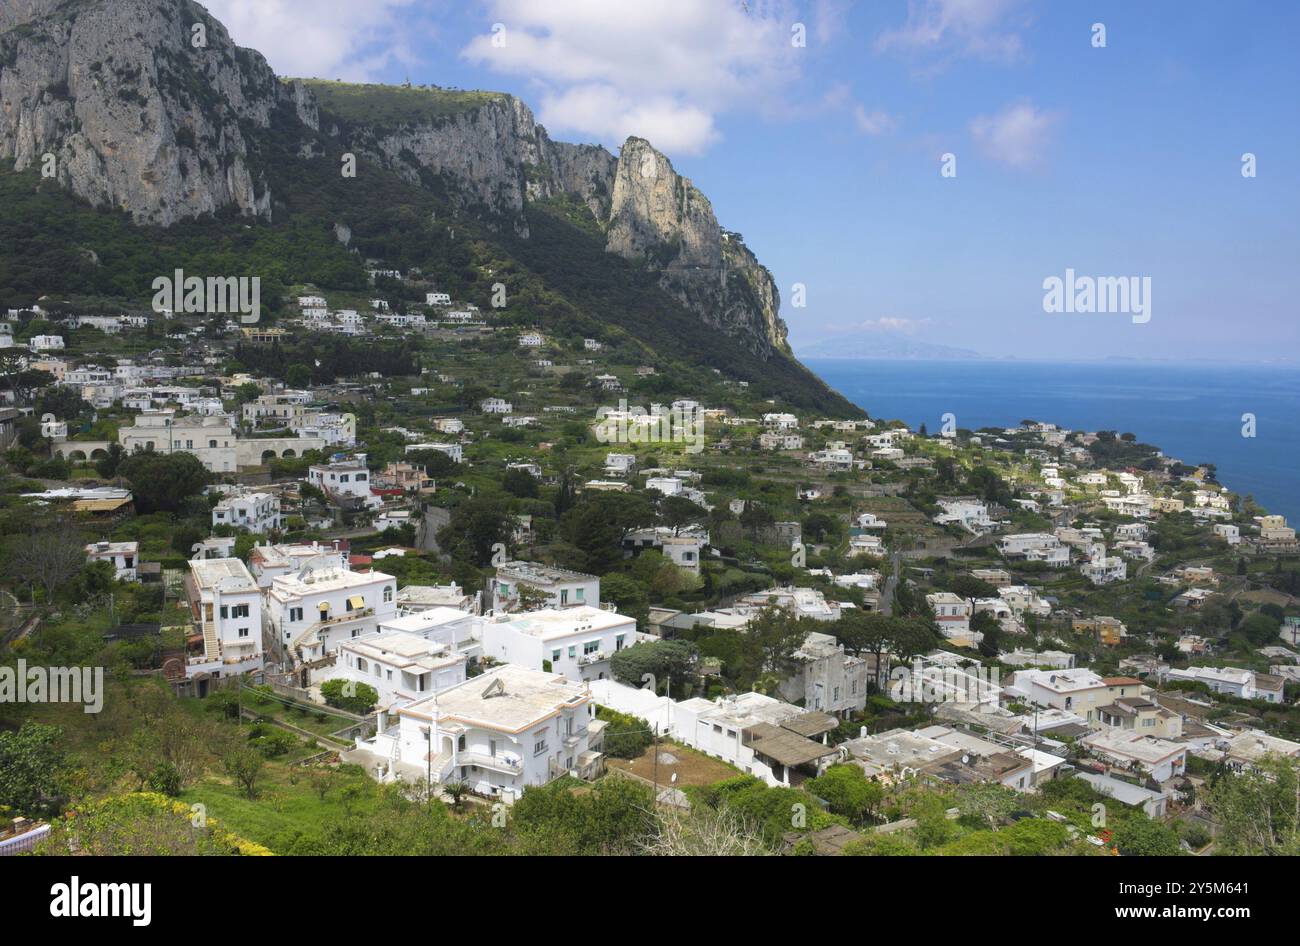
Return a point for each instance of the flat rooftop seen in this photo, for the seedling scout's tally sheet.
(539, 573)
(509, 699)
(223, 574)
(549, 624)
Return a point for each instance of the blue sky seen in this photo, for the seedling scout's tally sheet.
(1116, 161)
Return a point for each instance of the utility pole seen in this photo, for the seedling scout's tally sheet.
(655, 749)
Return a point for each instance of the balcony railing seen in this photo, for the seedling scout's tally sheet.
(485, 761)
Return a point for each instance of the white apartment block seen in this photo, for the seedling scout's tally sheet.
(1228, 680)
(453, 450)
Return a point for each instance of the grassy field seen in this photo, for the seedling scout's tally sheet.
(286, 802)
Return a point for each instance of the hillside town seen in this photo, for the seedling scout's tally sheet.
(416, 547)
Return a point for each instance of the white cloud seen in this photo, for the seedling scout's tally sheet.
(875, 122)
(956, 27)
(330, 39)
(664, 70)
(1017, 135)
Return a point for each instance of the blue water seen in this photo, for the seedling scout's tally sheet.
(1190, 412)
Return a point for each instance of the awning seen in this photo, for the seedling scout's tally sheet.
(784, 746)
(356, 602)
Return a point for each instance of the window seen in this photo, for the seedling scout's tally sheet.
(239, 611)
(579, 593)
(555, 656)
(243, 632)
(539, 746)
(225, 612)
(573, 652)
(717, 728)
(564, 596)
(388, 594)
(212, 445)
(618, 642)
(295, 614)
(590, 647)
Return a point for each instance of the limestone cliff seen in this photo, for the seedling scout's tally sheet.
(134, 113)
(140, 115)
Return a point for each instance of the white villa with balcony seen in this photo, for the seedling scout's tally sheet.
(313, 611)
(497, 733)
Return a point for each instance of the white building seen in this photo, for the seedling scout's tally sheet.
(826, 679)
(253, 512)
(311, 612)
(1228, 532)
(1232, 681)
(401, 667)
(1078, 691)
(576, 642)
(268, 562)
(344, 480)
(122, 555)
(561, 587)
(497, 733)
(951, 612)
(227, 609)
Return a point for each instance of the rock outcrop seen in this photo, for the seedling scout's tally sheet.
(139, 115)
(138, 109)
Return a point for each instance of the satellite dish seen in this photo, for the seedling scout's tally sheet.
(965, 759)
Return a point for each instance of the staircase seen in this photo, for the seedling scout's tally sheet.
(211, 642)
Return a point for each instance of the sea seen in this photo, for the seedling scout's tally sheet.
(1191, 412)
